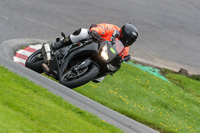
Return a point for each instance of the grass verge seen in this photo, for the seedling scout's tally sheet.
(27, 107)
(166, 107)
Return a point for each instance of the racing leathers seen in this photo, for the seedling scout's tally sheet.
(101, 31)
(105, 32)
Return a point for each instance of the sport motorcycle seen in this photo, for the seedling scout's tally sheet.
(79, 63)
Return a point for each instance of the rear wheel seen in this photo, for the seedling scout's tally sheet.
(34, 61)
(73, 79)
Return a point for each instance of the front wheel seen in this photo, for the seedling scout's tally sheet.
(34, 61)
(74, 79)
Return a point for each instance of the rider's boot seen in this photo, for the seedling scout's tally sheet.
(77, 36)
(57, 45)
(61, 43)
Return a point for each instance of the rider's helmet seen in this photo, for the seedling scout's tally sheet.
(129, 34)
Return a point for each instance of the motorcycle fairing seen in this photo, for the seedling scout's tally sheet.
(90, 50)
(80, 52)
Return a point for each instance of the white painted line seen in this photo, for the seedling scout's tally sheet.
(24, 52)
(16, 59)
(37, 47)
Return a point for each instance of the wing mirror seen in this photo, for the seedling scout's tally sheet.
(116, 34)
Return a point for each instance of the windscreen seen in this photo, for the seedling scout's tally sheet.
(119, 46)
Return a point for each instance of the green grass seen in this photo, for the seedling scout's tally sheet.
(190, 85)
(164, 106)
(27, 107)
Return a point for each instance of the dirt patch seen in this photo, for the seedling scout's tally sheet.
(181, 72)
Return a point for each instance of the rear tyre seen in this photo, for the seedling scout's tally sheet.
(34, 61)
(72, 80)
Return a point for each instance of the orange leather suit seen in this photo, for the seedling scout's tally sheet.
(106, 31)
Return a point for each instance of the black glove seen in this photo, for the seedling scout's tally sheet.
(95, 35)
(127, 58)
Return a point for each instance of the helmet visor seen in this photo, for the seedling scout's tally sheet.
(128, 39)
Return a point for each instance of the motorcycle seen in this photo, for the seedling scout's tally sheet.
(80, 63)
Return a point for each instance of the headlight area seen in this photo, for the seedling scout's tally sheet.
(104, 53)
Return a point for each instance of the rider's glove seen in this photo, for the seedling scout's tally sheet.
(127, 58)
(95, 35)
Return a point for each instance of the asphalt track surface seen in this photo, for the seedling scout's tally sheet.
(7, 51)
(169, 31)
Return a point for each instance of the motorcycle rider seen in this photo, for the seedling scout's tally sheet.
(104, 31)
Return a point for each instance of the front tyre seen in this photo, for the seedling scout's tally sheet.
(73, 80)
(34, 61)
